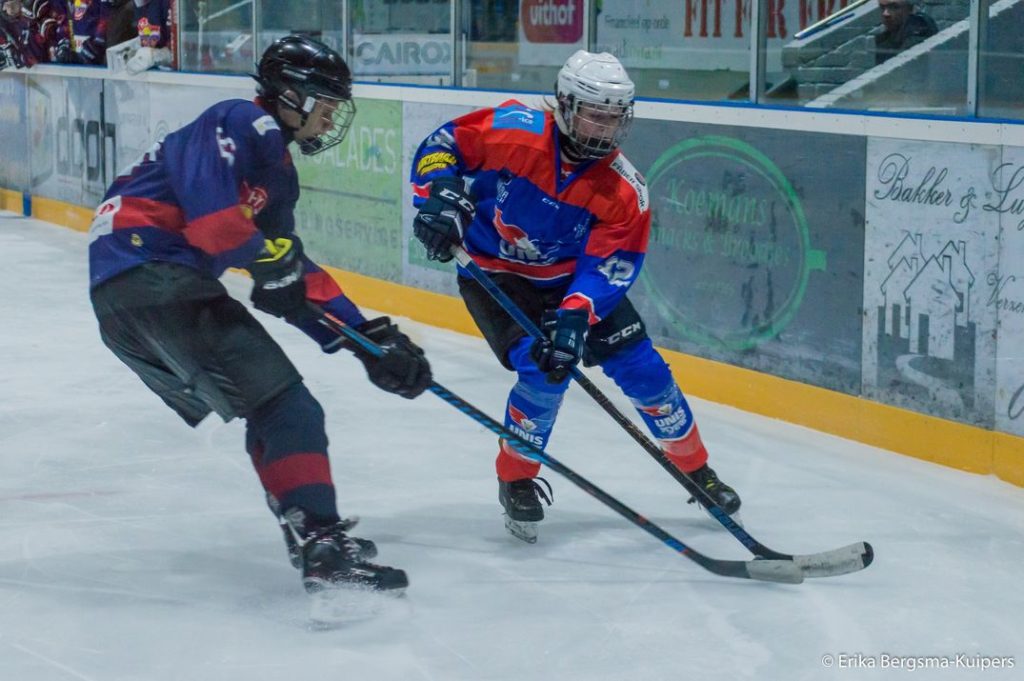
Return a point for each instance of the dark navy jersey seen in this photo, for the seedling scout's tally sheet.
(586, 226)
(88, 19)
(206, 196)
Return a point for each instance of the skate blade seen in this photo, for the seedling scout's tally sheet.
(336, 607)
(522, 529)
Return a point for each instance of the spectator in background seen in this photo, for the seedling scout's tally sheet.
(153, 22)
(33, 33)
(902, 28)
(88, 19)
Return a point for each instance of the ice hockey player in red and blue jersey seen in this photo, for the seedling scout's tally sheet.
(546, 203)
(221, 193)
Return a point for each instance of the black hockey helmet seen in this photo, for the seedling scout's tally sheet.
(313, 72)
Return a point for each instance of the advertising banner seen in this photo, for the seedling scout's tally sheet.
(699, 34)
(551, 30)
(402, 54)
(126, 106)
(14, 168)
(349, 214)
(72, 153)
(931, 246)
(420, 120)
(174, 106)
(756, 249)
(1006, 292)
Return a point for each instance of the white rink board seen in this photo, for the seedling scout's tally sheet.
(929, 248)
(1007, 293)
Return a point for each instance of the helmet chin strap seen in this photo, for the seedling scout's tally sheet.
(568, 149)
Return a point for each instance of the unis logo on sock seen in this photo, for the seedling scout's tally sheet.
(523, 427)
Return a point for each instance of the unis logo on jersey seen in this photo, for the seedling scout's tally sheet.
(516, 118)
(516, 236)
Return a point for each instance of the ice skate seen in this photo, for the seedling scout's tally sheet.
(367, 549)
(521, 500)
(719, 492)
(330, 558)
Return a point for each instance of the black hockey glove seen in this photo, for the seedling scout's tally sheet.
(402, 369)
(565, 339)
(444, 217)
(278, 286)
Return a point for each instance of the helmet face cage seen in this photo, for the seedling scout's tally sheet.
(594, 130)
(342, 113)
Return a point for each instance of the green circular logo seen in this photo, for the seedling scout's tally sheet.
(730, 254)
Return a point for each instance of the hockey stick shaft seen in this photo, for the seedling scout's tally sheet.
(784, 571)
(716, 511)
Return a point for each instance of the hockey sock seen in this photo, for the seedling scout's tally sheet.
(644, 377)
(530, 413)
(286, 439)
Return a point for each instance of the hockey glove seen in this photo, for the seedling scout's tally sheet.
(278, 286)
(444, 217)
(402, 369)
(565, 339)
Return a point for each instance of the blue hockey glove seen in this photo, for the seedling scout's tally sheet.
(565, 339)
(278, 286)
(444, 217)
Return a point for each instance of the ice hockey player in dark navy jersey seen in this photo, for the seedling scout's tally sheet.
(221, 193)
(546, 203)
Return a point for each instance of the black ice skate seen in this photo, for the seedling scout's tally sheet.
(367, 549)
(720, 493)
(523, 510)
(330, 558)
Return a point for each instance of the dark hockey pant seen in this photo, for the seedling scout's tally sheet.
(202, 351)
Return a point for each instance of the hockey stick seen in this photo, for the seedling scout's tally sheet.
(850, 558)
(766, 570)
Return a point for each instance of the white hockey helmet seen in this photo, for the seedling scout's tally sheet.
(595, 104)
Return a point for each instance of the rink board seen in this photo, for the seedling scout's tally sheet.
(804, 265)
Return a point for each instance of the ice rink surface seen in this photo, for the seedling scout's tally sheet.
(134, 548)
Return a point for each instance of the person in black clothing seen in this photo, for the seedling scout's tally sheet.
(902, 28)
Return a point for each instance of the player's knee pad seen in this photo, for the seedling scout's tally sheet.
(639, 371)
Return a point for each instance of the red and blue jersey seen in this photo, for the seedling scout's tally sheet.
(586, 226)
(206, 196)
